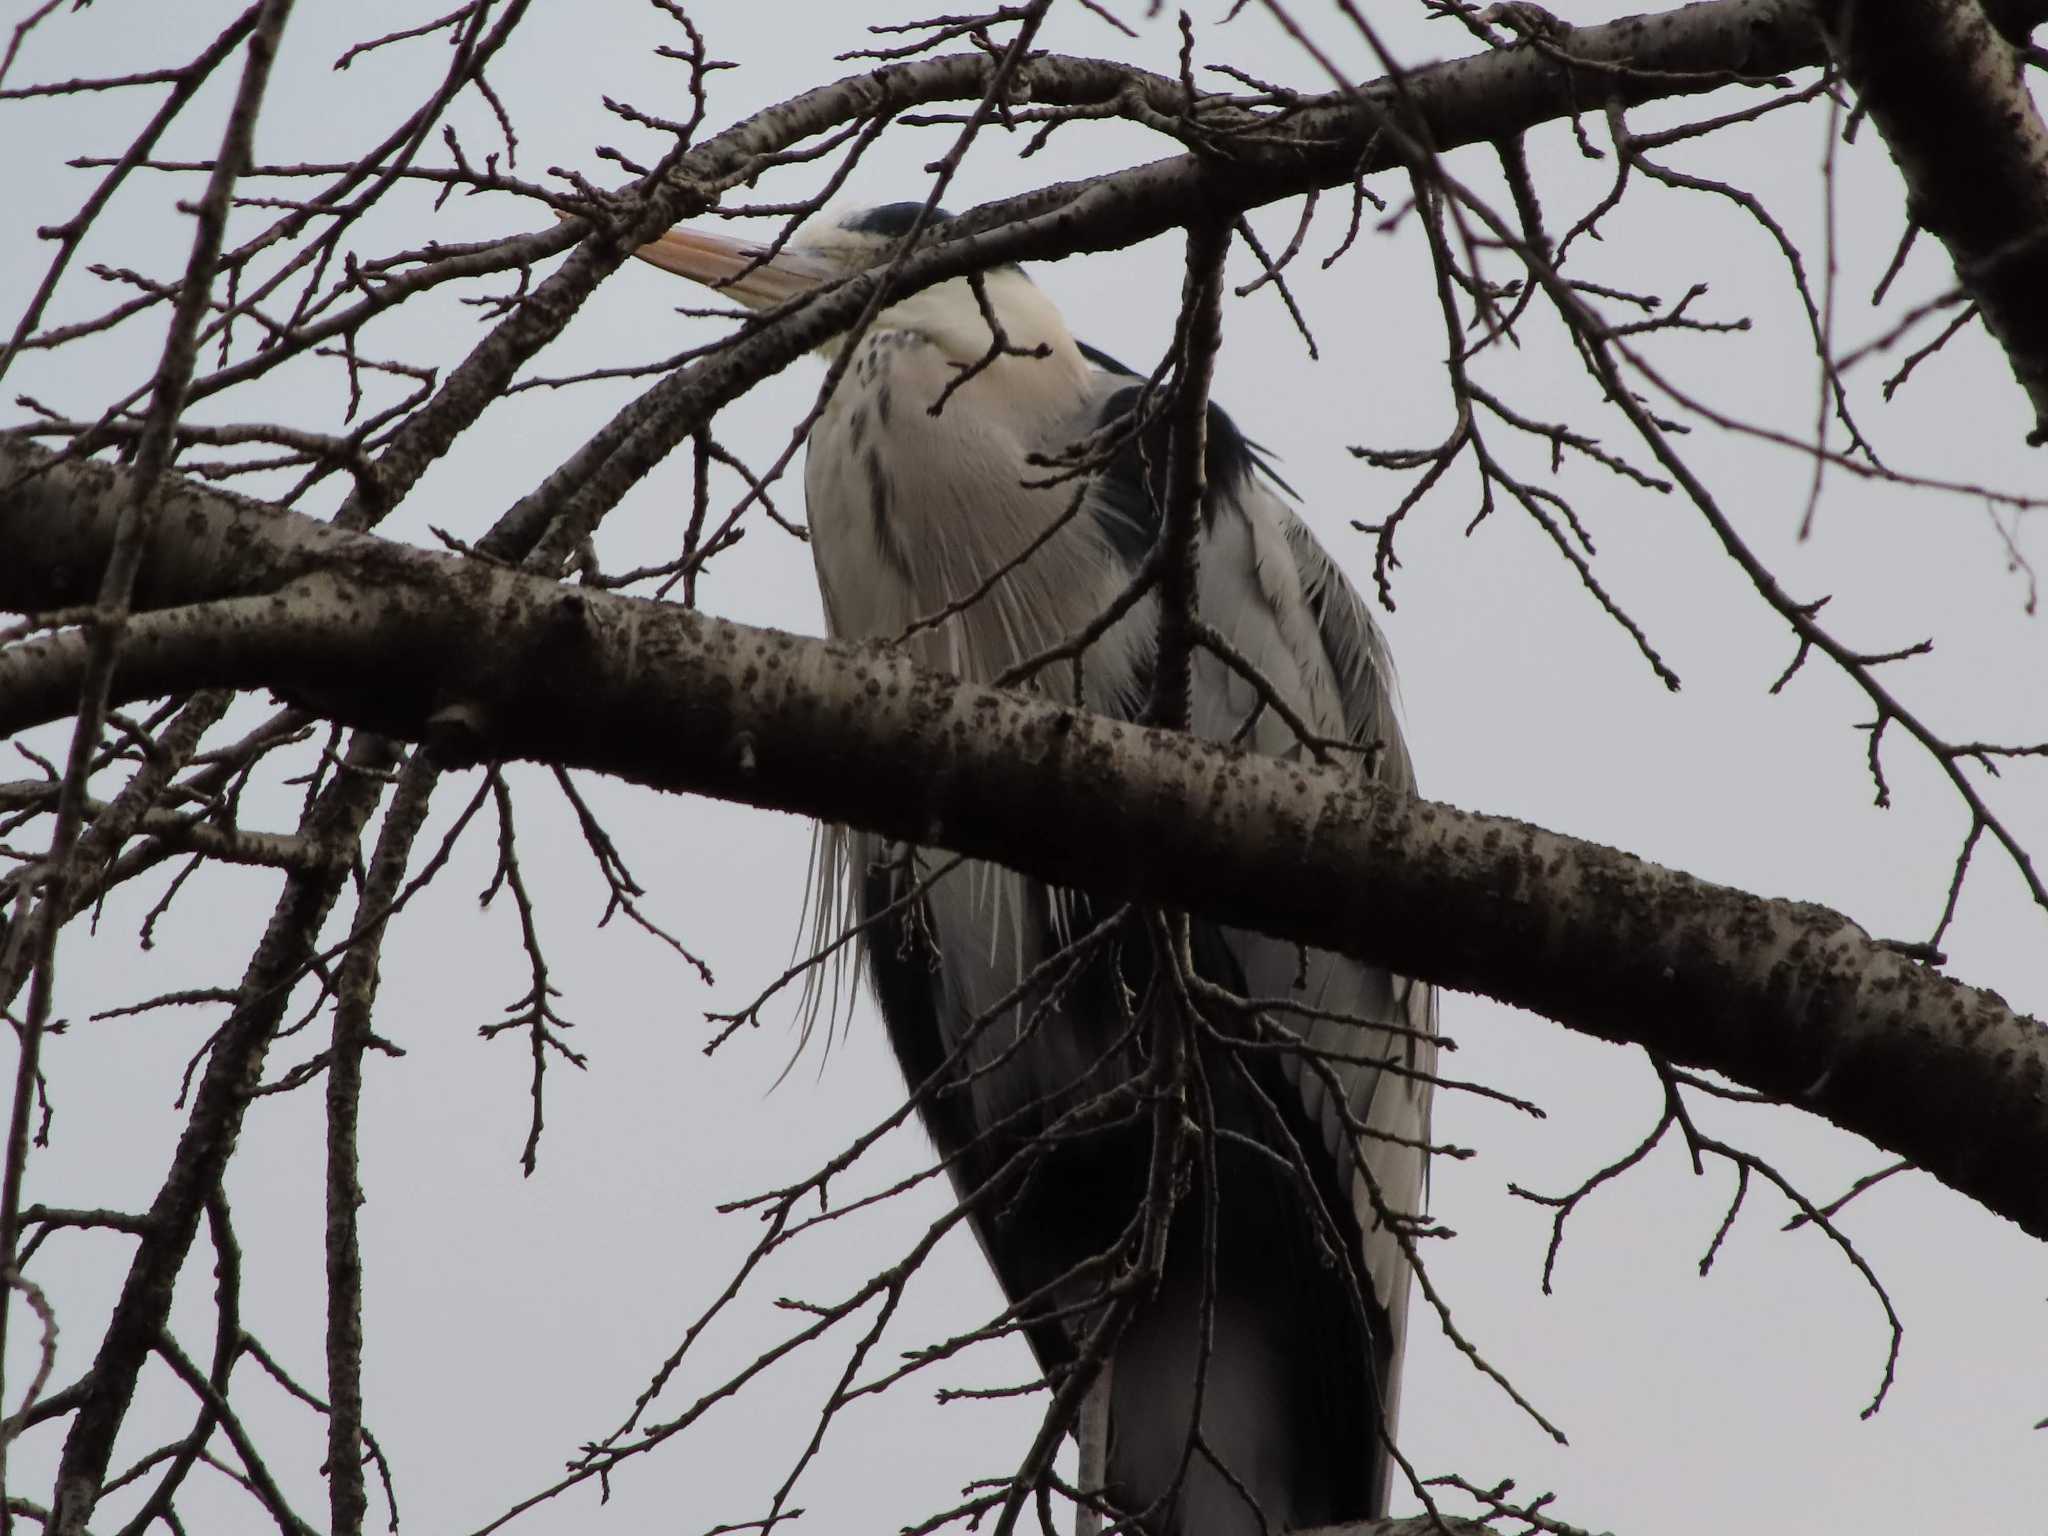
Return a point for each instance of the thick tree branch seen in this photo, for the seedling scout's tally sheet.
(1950, 96)
(1792, 1000)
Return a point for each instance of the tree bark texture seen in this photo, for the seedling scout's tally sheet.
(1793, 1000)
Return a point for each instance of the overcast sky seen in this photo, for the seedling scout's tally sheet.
(512, 1319)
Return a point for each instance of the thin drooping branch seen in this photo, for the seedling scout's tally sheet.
(136, 1328)
(36, 944)
(1950, 96)
(1793, 1000)
(348, 1499)
(1184, 476)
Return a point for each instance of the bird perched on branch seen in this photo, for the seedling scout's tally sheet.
(986, 491)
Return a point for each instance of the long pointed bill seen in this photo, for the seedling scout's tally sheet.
(736, 268)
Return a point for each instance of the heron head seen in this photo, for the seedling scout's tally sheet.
(842, 244)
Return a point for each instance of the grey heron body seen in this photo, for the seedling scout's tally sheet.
(1299, 1286)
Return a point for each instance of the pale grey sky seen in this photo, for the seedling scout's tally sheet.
(512, 1319)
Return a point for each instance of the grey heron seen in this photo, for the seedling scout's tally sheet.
(913, 512)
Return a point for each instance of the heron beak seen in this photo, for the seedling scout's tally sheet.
(740, 269)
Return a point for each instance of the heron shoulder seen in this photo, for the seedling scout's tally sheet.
(1326, 626)
(1131, 489)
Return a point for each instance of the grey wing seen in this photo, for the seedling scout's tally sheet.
(1276, 595)
(1356, 651)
